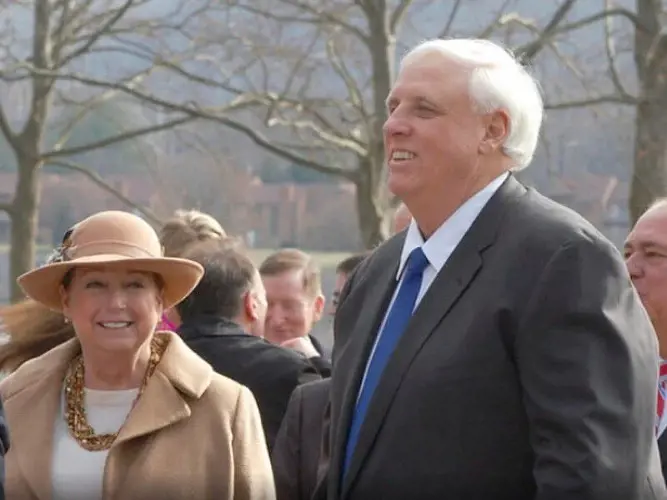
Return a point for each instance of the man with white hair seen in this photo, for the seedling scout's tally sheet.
(495, 350)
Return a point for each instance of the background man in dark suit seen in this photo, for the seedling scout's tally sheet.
(528, 368)
(646, 258)
(4, 448)
(222, 320)
(296, 454)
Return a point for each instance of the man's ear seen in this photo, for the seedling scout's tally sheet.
(318, 307)
(250, 306)
(496, 132)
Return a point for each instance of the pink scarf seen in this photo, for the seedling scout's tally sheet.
(166, 325)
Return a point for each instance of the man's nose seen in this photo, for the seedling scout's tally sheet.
(396, 125)
(635, 268)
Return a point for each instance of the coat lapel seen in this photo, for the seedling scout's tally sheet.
(181, 374)
(447, 288)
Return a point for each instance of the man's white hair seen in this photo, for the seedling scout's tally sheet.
(497, 81)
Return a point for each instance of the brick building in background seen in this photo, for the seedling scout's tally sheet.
(311, 216)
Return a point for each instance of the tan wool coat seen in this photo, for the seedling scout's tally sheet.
(193, 434)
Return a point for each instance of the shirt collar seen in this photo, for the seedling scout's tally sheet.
(444, 240)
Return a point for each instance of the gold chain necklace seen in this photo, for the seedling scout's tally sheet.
(75, 408)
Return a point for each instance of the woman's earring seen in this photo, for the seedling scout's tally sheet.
(67, 320)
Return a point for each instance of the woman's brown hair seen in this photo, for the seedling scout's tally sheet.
(32, 330)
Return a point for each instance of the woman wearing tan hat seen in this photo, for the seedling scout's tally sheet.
(122, 412)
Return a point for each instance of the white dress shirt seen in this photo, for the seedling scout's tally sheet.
(439, 247)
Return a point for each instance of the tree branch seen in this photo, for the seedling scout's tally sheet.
(323, 135)
(209, 115)
(319, 17)
(605, 99)
(618, 12)
(132, 134)
(94, 37)
(265, 143)
(497, 20)
(129, 89)
(527, 52)
(146, 212)
(339, 67)
(657, 51)
(398, 14)
(7, 208)
(611, 55)
(5, 129)
(450, 21)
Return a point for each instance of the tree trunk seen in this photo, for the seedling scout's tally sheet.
(24, 223)
(649, 180)
(373, 200)
(372, 207)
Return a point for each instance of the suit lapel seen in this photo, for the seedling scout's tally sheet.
(448, 287)
(354, 354)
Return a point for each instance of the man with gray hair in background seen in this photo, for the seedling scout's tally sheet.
(496, 349)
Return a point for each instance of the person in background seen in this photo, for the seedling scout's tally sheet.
(4, 448)
(296, 455)
(295, 302)
(105, 413)
(343, 270)
(222, 320)
(645, 252)
(184, 229)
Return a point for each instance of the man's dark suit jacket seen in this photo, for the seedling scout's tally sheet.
(270, 372)
(662, 446)
(296, 453)
(527, 372)
(4, 448)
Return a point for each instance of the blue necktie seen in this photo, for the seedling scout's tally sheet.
(397, 320)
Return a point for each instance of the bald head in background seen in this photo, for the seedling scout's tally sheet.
(402, 218)
(646, 258)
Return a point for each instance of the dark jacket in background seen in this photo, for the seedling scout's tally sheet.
(296, 454)
(4, 448)
(270, 372)
(662, 447)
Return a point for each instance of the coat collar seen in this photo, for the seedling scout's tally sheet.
(32, 399)
(207, 325)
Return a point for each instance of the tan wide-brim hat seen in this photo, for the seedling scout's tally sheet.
(112, 240)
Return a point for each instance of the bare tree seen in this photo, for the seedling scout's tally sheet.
(70, 36)
(322, 71)
(306, 80)
(318, 74)
(649, 179)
